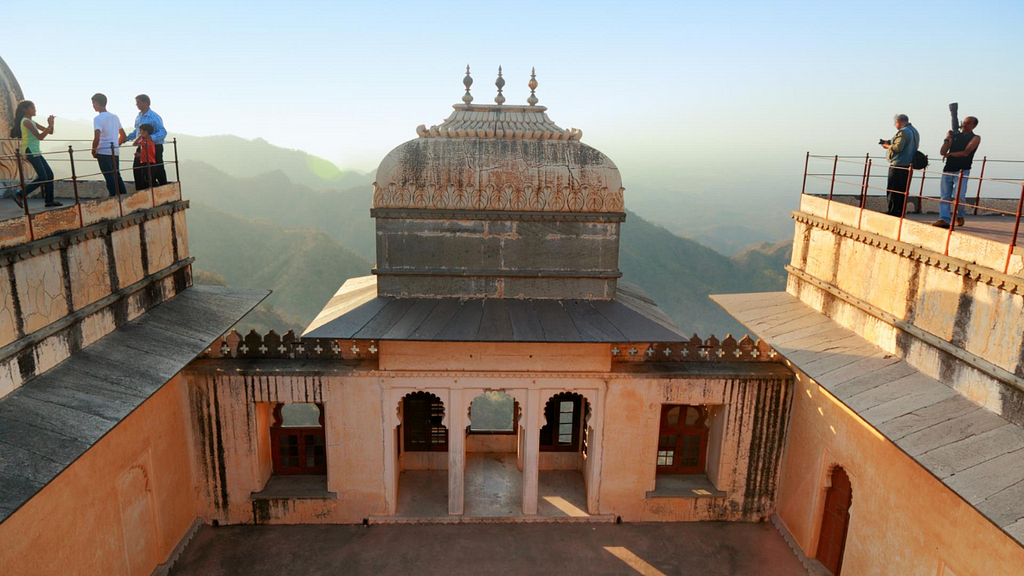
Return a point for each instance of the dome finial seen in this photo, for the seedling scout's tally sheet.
(500, 83)
(467, 82)
(532, 100)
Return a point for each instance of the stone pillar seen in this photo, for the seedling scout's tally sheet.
(531, 460)
(391, 471)
(594, 449)
(456, 413)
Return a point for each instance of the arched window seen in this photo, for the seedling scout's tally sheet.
(561, 430)
(297, 439)
(422, 423)
(835, 521)
(682, 439)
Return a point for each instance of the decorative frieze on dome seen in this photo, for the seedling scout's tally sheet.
(492, 197)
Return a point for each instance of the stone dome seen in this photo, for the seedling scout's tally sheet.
(498, 157)
(10, 95)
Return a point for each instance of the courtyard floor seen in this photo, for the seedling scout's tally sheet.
(651, 549)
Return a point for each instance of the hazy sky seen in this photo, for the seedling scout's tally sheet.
(682, 95)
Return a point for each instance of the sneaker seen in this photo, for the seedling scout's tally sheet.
(940, 224)
(960, 221)
(51, 204)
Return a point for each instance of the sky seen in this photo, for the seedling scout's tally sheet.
(683, 96)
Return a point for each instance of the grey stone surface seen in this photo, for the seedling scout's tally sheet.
(976, 453)
(958, 456)
(298, 486)
(631, 317)
(684, 486)
(49, 422)
(669, 548)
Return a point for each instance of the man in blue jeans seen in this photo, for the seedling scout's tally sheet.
(958, 150)
(107, 137)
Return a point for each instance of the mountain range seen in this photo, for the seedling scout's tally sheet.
(268, 217)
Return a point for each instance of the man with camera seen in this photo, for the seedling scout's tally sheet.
(958, 148)
(900, 153)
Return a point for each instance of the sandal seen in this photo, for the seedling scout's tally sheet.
(17, 200)
(51, 204)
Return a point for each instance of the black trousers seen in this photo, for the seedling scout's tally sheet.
(142, 172)
(896, 193)
(159, 172)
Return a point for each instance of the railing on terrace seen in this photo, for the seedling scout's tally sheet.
(22, 171)
(849, 181)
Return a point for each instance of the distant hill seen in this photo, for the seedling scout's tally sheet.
(343, 214)
(303, 266)
(679, 274)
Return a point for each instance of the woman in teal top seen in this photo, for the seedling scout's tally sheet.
(31, 133)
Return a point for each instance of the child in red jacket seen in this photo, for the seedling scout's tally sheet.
(145, 156)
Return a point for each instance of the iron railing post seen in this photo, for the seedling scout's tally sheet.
(116, 166)
(1016, 229)
(803, 187)
(152, 191)
(177, 172)
(832, 187)
(24, 193)
(74, 186)
(906, 196)
(981, 179)
(864, 181)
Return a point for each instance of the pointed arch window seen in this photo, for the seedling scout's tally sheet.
(682, 439)
(561, 430)
(422, 423)
(298, 440)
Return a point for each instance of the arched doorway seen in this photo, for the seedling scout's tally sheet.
(493, 481)
(564, 439)
(835, 521)
(421, 440)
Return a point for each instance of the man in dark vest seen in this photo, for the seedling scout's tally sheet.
(958, 149)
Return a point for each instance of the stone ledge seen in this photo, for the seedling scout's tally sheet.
(595, 519)
(295, 487)
(688, 486)
(462, 272)
(101, 229)
(984, 274)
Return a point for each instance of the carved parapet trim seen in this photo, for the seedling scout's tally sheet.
(273, 346)
(502, 197)
(983, 274)
(697, 350)
(526, 216)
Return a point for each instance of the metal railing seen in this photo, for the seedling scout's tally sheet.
(21, 161)
(1012, 201)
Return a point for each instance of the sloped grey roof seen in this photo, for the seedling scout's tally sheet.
(976, 453)
(356, 312)
(47, 423)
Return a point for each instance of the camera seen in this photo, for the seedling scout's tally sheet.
(882, 141)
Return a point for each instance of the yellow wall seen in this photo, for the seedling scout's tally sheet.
(120, 509)
(903, 520)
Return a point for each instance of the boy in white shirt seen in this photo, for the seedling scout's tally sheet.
(107, 133)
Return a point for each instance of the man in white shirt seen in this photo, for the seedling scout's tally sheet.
(107, 137)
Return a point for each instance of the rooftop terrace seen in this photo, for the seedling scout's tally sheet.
(851, 191)
(79, 186)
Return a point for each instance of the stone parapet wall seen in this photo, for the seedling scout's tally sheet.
(959, 321)
(90, 210)
(65, 291)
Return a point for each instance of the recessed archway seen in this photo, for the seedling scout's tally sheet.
(421, 439)
(564, 436)
(493, 476)
(835, 521)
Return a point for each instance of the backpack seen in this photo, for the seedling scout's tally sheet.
(920, 161)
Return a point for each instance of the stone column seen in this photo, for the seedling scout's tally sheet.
(595, 449)
(456, 413)
(531, 461)
(391, 472)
